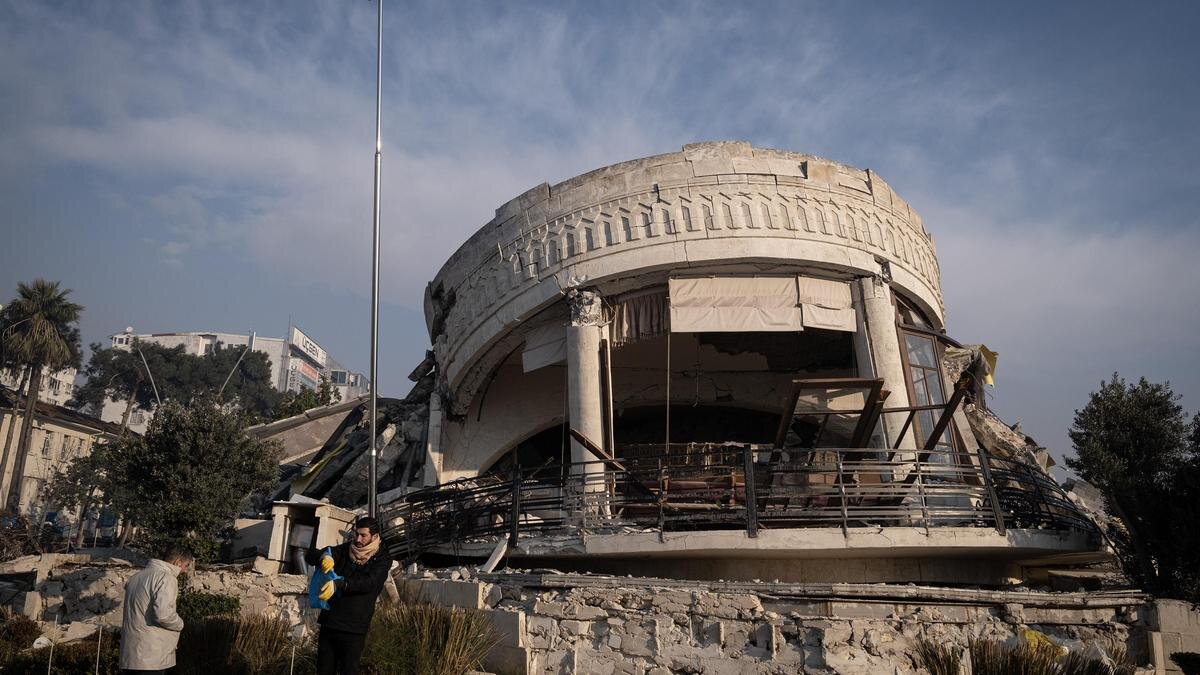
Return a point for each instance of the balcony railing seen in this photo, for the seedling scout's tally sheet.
(728, 487)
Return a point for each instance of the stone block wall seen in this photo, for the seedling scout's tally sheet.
(631, 627)
(1176, 626)
(66, 589)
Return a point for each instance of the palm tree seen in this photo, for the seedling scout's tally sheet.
(38, 331)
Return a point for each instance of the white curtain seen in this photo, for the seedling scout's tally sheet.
(639, 317)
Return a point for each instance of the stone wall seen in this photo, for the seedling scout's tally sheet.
(67, 589)
(612, 625)
(590, 624)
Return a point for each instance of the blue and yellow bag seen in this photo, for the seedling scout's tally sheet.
(319, 578)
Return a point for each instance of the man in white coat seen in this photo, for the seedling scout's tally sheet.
(149, 625)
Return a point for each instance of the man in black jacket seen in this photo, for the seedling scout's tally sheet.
(363, 565)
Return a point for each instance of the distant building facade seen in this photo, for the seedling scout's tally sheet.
(57, 387)
(60, 435)
(296, 361)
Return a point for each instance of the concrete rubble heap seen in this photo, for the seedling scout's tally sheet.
(596, 625)
(549, 622)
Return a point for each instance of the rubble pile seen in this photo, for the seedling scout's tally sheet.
(612, 625)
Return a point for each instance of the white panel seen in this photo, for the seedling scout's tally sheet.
(544, 346)
(826, 304)
(824, 293)
(734, 304)
(829, 319)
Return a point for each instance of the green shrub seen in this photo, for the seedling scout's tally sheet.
(205, 645)
(194, 605)
(19, 631)
(1188, 662)
(938, 658)
(426, 640)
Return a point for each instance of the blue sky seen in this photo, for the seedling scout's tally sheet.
(207, 166)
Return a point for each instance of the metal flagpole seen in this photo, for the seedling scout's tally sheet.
(372, 478)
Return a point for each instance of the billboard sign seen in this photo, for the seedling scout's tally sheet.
(308, 347)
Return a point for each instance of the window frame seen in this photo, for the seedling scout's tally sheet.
(957, 446)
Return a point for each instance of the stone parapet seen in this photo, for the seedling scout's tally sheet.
(588, 624)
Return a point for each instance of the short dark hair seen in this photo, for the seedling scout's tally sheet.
(368, 522)
(178, 554)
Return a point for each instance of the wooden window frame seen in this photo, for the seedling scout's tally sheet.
(939, 341)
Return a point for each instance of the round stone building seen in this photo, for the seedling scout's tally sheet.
(725, 362)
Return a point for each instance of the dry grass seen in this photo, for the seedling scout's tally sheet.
(989, 657)
(236, 645)
(426, 639)
(264, 645)
(938, 658)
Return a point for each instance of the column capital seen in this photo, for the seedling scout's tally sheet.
(586, 308)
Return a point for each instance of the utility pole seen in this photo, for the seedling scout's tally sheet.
(372, 477)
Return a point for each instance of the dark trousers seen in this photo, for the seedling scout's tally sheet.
(338, 652)
(142, 672)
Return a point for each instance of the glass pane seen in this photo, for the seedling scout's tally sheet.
(925, 420)
(934, 382)
(919, 388)
(920, 351)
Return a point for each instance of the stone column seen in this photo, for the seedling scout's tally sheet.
(866, 360)
(585, 407)
(884, 344)
(433, 442)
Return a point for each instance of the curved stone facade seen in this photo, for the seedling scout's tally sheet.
(658, 359)
(704, 206)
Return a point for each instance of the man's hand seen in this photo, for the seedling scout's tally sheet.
(326, 591)
(326, 563)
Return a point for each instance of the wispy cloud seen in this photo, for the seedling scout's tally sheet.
(1057, 184)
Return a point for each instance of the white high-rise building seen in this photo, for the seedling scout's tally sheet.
(296, 361)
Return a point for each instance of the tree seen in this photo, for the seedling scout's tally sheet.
(119, 375)
(115, 374)
(39, 331)
(295, 403)
(85, 483)
(187, 478)
(1134, 443)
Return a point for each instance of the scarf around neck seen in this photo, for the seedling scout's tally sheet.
(361, 554)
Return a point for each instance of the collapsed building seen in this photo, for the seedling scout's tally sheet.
(722, 363)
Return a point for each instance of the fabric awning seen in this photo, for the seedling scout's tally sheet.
(752, 304)
(734, 304)
(826, 304)
(544, 346)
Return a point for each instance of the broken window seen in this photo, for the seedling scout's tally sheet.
(908, 314)
(922, 357)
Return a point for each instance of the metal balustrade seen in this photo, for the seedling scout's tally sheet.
(731, 487)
